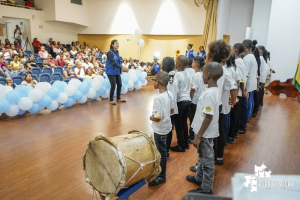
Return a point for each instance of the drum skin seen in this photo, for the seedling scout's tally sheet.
(113, 163)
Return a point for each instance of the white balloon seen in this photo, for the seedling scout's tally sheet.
(129, 84)
(96, 85)
(141, 42)
(124, 91)
(144, 74)
(145, 83)
(75, 82)
(70, 90)
(130, 89)
(62, 98)
(25, 103)
(4, 90)
(106, 95)
(131, 71)
(133, 77)
(12, 111)
(91, 93)
(138, 86)
(83, 99)
(43, 86)
(138, 32)
(99, 78)
(53, 106)
(35, 95)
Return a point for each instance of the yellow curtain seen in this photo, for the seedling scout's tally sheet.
(210, 28)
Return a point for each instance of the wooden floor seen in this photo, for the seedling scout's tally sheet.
(41, 154)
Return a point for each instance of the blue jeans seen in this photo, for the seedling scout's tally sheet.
(243, 106)
(226, 126)
(161, 144)
(181, 123)
(250, 105)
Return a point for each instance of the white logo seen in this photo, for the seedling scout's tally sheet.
(262, 178)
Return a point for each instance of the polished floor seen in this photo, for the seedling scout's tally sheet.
(41, 154)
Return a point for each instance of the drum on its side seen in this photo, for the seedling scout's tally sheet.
(113, 163)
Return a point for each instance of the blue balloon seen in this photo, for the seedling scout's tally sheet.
(35, 108)
(4, 105)
(102, 91)
(69, 103)
(125, 80)
(59, 105)
(13, 97)
(139, 76)
(45, 101)
(77, 96)
(53, 92)
(21, 112)
(123, 87)
(60, 85)
(88, 81)
(23, 90)
(96, 97)
(84, 87)
(106, 84)
(143, 80)
(136, 82)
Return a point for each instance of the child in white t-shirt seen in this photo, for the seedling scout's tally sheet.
(205, 125)
(196, 90)
(161, 121)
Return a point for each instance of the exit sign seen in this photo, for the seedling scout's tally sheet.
(128, 40)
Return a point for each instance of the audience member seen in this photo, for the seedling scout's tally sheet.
(43, 53)
(61, 61)
(79, 71)
(30, 63)
(36, 44)
(10, 72)
(15, 63)
(10, 83)
(69, 72)
(22, 71)
(28, 80)
(17, 46)
(89, 73)
(22, 57)
(51, 61)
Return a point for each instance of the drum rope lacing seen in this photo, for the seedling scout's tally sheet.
(142, 165)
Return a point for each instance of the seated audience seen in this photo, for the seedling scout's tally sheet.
(73, 52)
(10, 83)
(87, 64)
(51, 61)
(28, 80)
(69, 60)
(36, 44)
(136, 64)
(15, 63)
(22, 57)
(43, 53)
(104, 57)
(13, 51)
(46, 64)
(17, 46)
(30, 63)
(56, 50)
(69, 72)
(89, 73)
(10, 72)
(131, 64)
(22, 71)
(7, 53)
(125, 63)
(50, 42)
(7, 42)
(2, 74)
(65, 52)
(79, 71)
(60, 61)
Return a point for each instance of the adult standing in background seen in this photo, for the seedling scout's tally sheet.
(190, 53)
(113, 71)
(202, 52)
(17, 35)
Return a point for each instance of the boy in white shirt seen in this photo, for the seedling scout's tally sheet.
(161, 121)
(196, 90)
(205, 124)
(252, 80)
(183, 104)
(238, 49)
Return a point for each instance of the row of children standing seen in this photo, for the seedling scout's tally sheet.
(216, 94)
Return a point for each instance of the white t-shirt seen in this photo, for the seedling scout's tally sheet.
(18, 34)
(229, 84)
(173, 87)
(264, 70)
(251, 69)
(81, 73)
(6, 55)
(183, 87)
(162, 106)
(56, 50)
(73, 52)
(241, 69)
(197, 85)
(208, 104)
(190, 72)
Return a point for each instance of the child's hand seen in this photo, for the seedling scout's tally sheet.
(196, 142)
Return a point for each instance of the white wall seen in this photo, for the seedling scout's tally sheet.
(234, 16)
(283, 38)
(260, 20)
(155, 17)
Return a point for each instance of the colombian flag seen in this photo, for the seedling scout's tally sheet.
(296, 81)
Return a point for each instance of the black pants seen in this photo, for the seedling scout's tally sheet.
(243, 106)
(219, 142)
(170, 134)
(115, 79)
(256, 101)
(261, 93)
(191, 117)
(234, 118)
(181, 123)
(160, 141)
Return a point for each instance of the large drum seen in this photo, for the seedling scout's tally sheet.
(113, 163)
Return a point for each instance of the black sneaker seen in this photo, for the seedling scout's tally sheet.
(157, 181)
(187, 146)
(199, 190)
(168, 155)
(192, 179)
(230, 140)
(236, 135)
(191, 141)
(254, 114)
(193, 168)
(242, 131)
(219, 162)
(177, 149)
